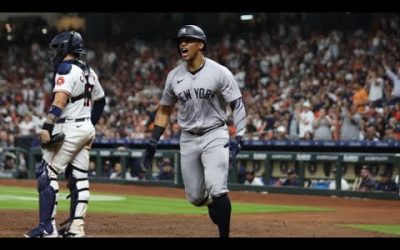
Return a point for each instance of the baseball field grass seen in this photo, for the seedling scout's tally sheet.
(389, 229)
(269, 215)
(21, 198)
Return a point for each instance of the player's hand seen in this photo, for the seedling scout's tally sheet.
(235, 146)
(150, 150)
(44, 137)
(55, 140)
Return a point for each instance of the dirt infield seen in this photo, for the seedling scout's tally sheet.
(300, 224)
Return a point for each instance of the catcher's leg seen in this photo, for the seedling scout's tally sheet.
(47, 187)
(78, 185)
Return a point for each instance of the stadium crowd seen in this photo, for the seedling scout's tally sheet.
(296, 83)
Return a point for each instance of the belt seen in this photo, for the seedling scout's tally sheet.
(206, 131)
(63, 120)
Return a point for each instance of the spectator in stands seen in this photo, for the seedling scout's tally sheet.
(128, 174)
(370, 133)
(135, 174)
(293, 123)
(118, 172)
(251, 178)
(134, 171)
(8, 168)
(389, 133)
(365, 183)
(322, 126)
(306, 119)
(6, 139)
(375, 86)
(291, 179)
(175, 131)
(386, 183)
(394, 77)
(344, 185)
(280, 133)
(360, 97)
(351, 125)
(27, 126)
(22, 167)
(241, 171)
(106, 171)
(166, 169)
(9, 161)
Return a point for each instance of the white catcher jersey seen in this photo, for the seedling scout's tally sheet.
(202, 97)
(74, 84)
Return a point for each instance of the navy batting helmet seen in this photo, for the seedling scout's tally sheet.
(68, 42)
(192, 31)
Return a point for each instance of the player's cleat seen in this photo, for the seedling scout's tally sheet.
(40, 232)
(64, 234)
(72, 235)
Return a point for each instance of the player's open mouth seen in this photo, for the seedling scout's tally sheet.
(184, 51)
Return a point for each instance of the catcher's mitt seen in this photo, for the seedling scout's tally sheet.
(55, 140)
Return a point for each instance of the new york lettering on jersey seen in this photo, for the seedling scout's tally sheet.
(200, 93)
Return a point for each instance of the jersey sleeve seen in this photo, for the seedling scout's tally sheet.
(229, 87)
(168, 97)
(64, 83)
(97, 91)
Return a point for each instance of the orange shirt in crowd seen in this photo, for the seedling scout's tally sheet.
(360, 99)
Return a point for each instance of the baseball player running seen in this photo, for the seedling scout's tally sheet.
(203, 88)
(67, 135)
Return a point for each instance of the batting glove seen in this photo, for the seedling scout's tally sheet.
(150, 150)
(235, 146)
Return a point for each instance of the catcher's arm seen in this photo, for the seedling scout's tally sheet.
(45, 136)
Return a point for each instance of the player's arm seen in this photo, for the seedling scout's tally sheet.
(161, 121)
(168, 101)
(239, 119)
(98, 99)
(97, 110)
(239, 116)
(55, 111)
(231, 93)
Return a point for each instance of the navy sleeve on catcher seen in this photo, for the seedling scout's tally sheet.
(97, 110)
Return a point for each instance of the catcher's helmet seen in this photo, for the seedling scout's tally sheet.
(68, 42)
(192, 31)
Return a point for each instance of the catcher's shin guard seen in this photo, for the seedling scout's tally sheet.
(78, 185)
(47, 187)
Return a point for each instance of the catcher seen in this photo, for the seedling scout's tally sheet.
(67, 135)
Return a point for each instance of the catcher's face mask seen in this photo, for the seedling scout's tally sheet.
(54, 56)
(57, 50)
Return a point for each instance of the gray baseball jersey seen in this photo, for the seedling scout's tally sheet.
(202, 96)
